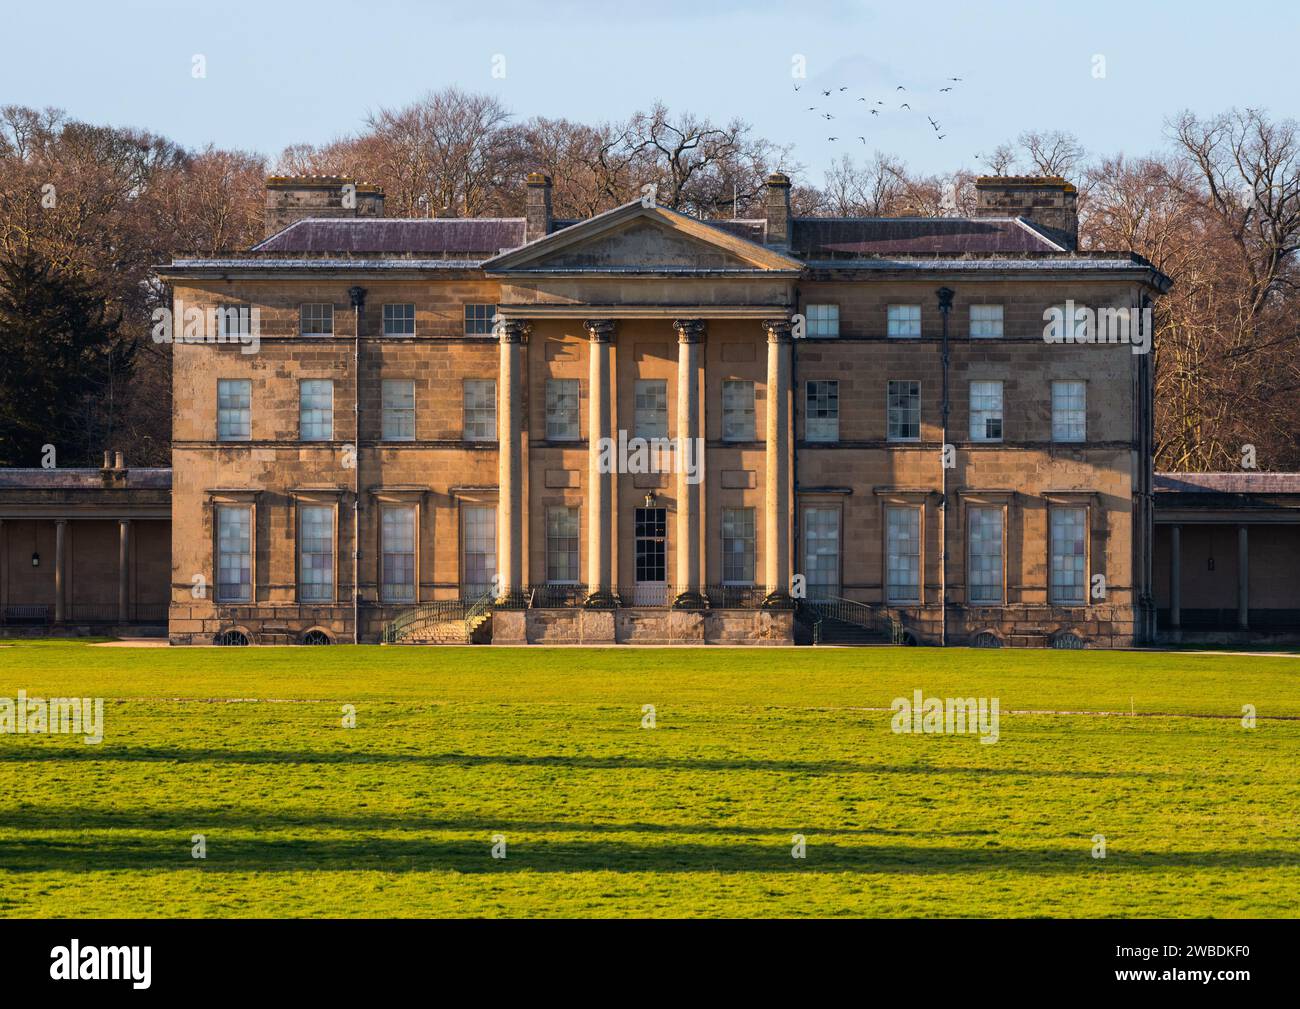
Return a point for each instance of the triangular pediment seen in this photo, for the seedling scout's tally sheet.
(635, 238)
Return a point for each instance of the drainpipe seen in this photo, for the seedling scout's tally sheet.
(357, 295)
(945, 295)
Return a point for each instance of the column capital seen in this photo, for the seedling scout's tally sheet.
(599, 330)
(689, 330)
(514, 330)
(778, 330)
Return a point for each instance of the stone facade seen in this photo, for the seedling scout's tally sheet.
(728, 322)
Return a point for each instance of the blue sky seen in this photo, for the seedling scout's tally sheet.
(285, 72)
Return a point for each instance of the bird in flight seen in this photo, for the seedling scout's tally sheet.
(900, 88)
(812, 108)
(954, 78)
(827, 115)
(863, 139)
(844, 89)
(875, 112)
(832, 138)
(826, 92)
(942, 90)
(933, 123)
(796, 87)
(880, 103)
(862, 99)
(942, 135)
(905, 106)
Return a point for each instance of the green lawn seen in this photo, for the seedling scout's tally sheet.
(303, 817)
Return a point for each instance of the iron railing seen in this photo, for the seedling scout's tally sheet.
(651, 595)
(850, 611)
(440, 611)
(38, 614)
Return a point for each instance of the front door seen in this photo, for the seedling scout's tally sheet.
(651, 588)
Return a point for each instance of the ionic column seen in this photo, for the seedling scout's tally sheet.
(776, 520)
(1175, 577)
(1243, 578)
(601, 471)
(512, 334)
(60, 609)
(123, 570)
(690, 339)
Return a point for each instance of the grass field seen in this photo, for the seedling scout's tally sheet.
(452, 746)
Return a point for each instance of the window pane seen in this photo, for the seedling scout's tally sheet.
(903, 566)
(234, 409)
(398, 549)
(316, 320)
(1068, 554)
(651, 413)
(986, 411)
(234, 554)
(738, 411)
(562, 409)
(1069, 411)
(904, 411)
(821, 536)
(738, 546)
(399, 320)
(985, 321)
(823, 320)
(904, 320)
(479, 563)
(984, 575)
(316, 409)
(478, 319)
(650, 552)
(316, 553)
(562, 546)
(480, 409)
(822, 411)
(399, 409)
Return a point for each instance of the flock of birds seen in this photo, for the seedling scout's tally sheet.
(934, 125)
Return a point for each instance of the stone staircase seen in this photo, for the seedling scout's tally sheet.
(843, 632)
(448, 632)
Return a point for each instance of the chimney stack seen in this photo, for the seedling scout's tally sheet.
(1047, 200)
(292, 198)
(777, 210)
(538, 206)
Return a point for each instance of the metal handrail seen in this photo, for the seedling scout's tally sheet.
(480, 606)
(850, 611)
(438, 611)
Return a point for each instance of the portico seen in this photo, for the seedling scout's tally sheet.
(709, 376)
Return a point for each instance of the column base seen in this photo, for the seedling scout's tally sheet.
(511, 600)
(602, 599)
(778, 601)
(691, 599)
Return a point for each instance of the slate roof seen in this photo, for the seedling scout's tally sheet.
(825, 238)
(82, 478)
(814, 238)
(1227, 483)
(466, 237)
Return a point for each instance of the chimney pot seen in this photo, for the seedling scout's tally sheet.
(1047, 200)
(291, 198)
(539, 224)
(777, 208)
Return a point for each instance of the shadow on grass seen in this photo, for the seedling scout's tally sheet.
(188, 821)
(179, 755)
(472, 856)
